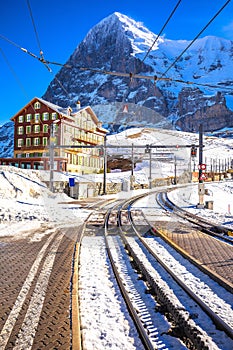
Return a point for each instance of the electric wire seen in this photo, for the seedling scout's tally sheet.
(17, 79)
(13, 72)
(100, 71)
(196, 37)
(130, 75)
(35, 30)
(157, 37)
(41, 59)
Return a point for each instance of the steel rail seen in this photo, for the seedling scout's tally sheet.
(207, 227)
(221, 324)
(75, 323)
(136, 319)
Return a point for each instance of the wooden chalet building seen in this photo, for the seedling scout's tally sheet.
(41, 122)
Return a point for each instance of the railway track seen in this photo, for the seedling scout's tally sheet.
(217, 231)
(40, 296)
(131, 245)
(195, 238)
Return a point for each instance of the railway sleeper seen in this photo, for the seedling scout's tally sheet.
(182, 319)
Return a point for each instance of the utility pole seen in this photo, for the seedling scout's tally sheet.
(105, 165)
(175, 174)
(51, 157)
(148, 151)
(150, 177)
(52, 141)
(132, 169)
(201, 185)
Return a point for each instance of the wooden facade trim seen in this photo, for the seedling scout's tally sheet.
(30, 141)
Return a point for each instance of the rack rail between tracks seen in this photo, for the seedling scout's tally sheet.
(180, 316)
(215, 318)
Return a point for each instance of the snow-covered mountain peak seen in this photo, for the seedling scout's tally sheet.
(140, 37)
(119, 44)
(213, 43)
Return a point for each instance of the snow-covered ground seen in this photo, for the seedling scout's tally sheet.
(99, 296)
(27, 205)
(220, 193)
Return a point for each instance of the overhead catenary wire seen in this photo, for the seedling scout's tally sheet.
(41, 58)
(196, 37)
(102, 71)
(17, 78)
(13, 72)
(130, 75)
(35, 30)
(157, 37)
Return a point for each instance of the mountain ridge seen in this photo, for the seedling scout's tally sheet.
(119, 44)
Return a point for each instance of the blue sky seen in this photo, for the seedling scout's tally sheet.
(62, 25)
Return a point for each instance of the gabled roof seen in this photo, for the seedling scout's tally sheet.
(56, 108)
(50, 105)
(61, 110)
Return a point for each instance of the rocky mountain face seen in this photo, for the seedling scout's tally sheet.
(119, 44)
(7, 140)
(195, 109)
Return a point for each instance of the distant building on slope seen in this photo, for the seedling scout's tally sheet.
(40, 122)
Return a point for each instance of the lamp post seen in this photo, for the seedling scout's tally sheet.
(105, 165)
(148, 150)
(52, 140)
(132, 170)
(175, 171)
(201, 185)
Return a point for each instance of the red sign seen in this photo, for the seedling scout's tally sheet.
(202, 166)
(202, 177)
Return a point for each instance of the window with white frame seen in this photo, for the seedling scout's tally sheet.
(45, 116)
(20, 119)
(28, 117)
(54, 116)
(37, 117)
(20, 130)
(37, 105)
(36, 141)
(37, 129)
(20, 142)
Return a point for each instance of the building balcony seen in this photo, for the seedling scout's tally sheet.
(32, 148)
(87, 141)
(38, 134)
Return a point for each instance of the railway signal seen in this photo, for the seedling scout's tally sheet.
(193, 151)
